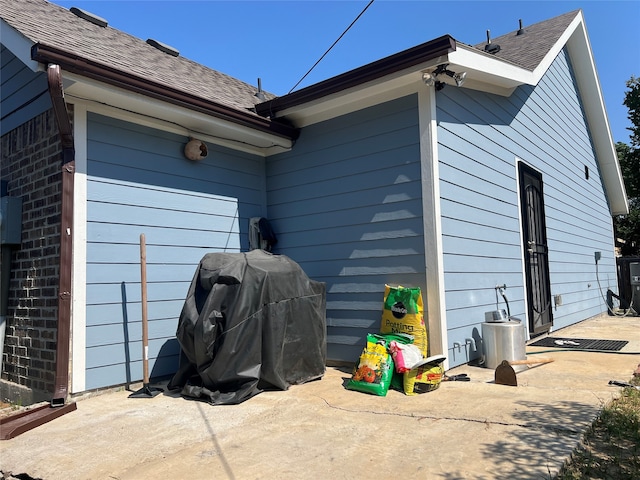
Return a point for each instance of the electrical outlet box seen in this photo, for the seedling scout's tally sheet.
(557, 300)
(634, 271)
(10, 221)
(598, 256)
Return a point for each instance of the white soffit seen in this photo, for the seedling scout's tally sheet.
(484, 69)
(138, 108)
(134, 107)
(488, 73)
(371, 93)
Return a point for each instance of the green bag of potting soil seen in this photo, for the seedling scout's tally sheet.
(403, 313)
(373, 372)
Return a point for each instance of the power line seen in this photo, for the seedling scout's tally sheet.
(329, 49)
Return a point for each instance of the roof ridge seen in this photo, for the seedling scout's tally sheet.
(570, 14)
(528, 49)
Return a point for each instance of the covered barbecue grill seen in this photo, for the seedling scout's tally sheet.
(251, 322)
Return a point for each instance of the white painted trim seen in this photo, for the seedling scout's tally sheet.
(525, 297)
(79, 305)
(575, 27)
(143, 110)
(488, 69)
(375, 92)
(490, 74)
(432, 223)
(17, 44)
(586, 77)
(494, 72)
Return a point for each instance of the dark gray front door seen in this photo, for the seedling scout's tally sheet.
(536, 252)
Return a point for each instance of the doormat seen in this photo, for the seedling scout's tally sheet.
(580, 343)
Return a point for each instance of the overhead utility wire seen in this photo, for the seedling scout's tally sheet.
(329, 49)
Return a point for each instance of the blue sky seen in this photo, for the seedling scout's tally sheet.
(279, 41)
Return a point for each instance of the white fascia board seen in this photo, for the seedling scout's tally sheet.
(490, 70)
(495, 76)
(17, 44)
(576, 25)
(137, 108)
(362, 96)
(502, 80)
(484, 73)
(484, 68)
(586, 76)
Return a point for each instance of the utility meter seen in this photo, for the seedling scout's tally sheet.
(10, 220)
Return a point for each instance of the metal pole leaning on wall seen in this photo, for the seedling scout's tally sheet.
(146, 391)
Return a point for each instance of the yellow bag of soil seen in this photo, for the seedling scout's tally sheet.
(403, 313)
(425, 377)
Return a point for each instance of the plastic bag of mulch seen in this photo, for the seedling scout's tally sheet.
(405, 356)
(403, 313)
(424, 378)
(373, 372)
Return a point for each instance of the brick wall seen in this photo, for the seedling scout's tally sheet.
(31, 163)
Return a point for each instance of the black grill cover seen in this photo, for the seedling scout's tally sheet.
(251, 322)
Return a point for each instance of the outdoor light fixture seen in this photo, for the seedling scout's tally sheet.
(430, 78)
(459, 78)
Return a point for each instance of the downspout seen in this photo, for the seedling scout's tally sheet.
(14, 425)
(63, 344)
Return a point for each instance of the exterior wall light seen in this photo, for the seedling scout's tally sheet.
(429, 78)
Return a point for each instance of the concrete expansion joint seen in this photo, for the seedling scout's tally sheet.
(488, 423)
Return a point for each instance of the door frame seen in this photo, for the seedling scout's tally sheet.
(522, 170)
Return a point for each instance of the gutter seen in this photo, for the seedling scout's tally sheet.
(408, 58)
(24, 421)
(127, 81)
(54, 77)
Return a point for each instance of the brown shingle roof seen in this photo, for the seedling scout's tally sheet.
(529, 49)
(526, 51)
(52, 25)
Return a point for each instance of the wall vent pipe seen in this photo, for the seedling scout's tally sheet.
(491, 48)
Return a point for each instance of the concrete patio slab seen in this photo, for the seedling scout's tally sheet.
(475, 430)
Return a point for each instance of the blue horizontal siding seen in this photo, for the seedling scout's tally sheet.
(103, 293)
(139, 182)
(480, 136)
(346, 203)
(100, 371)
(24, 94)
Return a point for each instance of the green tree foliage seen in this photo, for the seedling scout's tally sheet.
(628, 227)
